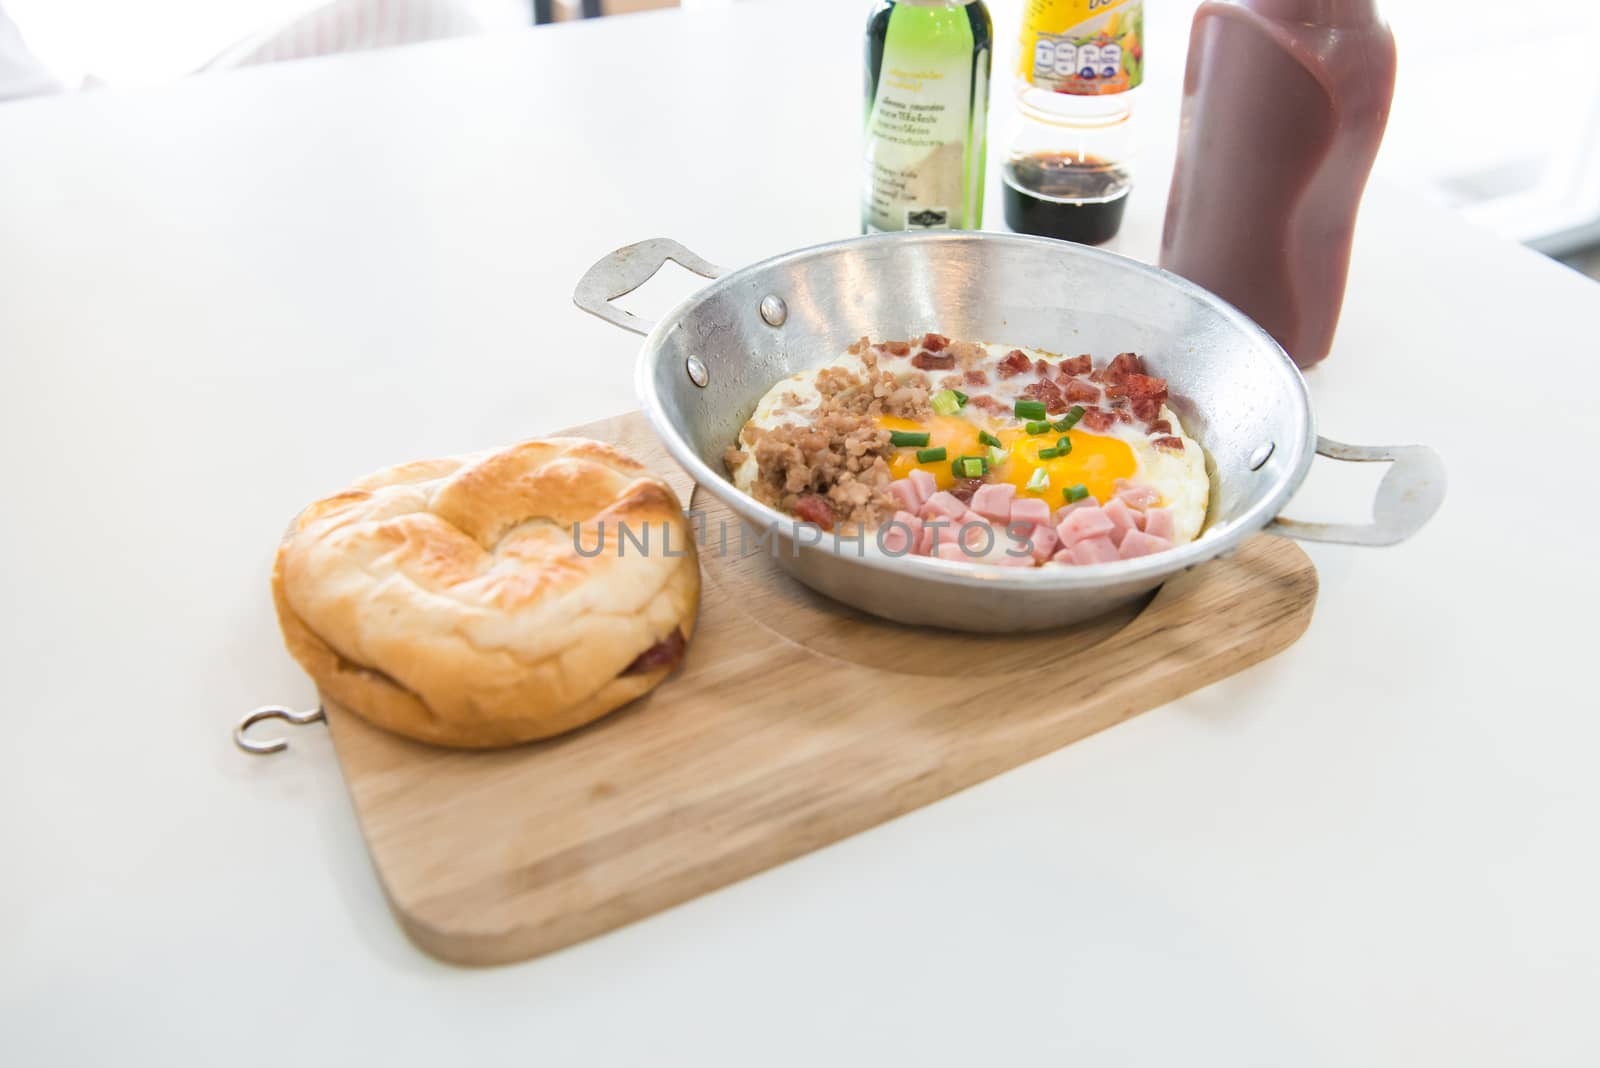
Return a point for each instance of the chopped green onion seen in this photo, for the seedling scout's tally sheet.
(1030, 409)
(989, 439)
(961, 397)
(1075, 493)
(971, 467)
(1038, 428)
(1064, 447)
(931, 456)
(1070, 420)
(997, 456)
(1039, 482)
(946, 402)
(1049, 454)
(902, 439)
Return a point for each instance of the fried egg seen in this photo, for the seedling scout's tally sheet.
(1096, 461)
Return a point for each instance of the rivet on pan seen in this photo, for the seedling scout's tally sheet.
(697, 371)
(774, 310)
(1262, 454)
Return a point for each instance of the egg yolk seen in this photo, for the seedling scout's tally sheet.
(1095, 462)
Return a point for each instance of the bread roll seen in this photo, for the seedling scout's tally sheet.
(487, 600)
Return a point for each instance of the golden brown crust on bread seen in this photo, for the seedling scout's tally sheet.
(447, 600)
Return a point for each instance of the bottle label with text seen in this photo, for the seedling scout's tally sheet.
(1083, 47)
(925, 129)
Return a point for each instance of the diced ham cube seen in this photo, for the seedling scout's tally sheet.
(1030, 510)
(899, 536)
(949, 550)
(904, 492)
(993, 501)
(1066, 510)
(1063, 556)
(1138, 543)
(1124, 518)
(942, 505)
(976, 535)
(896, 540)
(1085, 523)
(1159, 522)
(1095, 551)
(1137, 495)
(1042, 540)
(936, 531)
(926, 485)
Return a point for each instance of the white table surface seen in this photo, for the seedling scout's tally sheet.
(221, 299)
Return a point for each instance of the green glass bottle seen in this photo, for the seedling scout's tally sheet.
(927, 115)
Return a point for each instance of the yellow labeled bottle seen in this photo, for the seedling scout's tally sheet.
(1070, 167)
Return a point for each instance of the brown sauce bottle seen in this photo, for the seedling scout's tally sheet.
(1285, 103)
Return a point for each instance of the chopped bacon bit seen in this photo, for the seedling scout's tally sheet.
(1097, 419)
(1077, 365)
(1169, 442)
(1161, 426)
(1047, 392)
(987, 403)
(1116, 391)
(664, 653)
(964, 489)
(1081, 392)
(1015, 363)
(1146, 409)
(927, 361)
(1125, 364)
(1145, 387)
(814, 509)
(934, 342)
(860, 346)
(1123, 415)
(1041, 368)
(952, 382)
(977, 378)
(896, 348)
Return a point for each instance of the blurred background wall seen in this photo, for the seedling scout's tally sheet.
(1497, 111)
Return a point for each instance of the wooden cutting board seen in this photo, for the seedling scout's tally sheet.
(794, 722)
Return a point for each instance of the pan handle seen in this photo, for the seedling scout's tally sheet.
(628, 268)
(1409, 495)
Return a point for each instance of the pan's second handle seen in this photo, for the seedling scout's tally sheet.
(1409, 495)
(625, 270)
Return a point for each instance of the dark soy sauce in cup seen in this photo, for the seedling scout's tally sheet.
(1066, 195)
